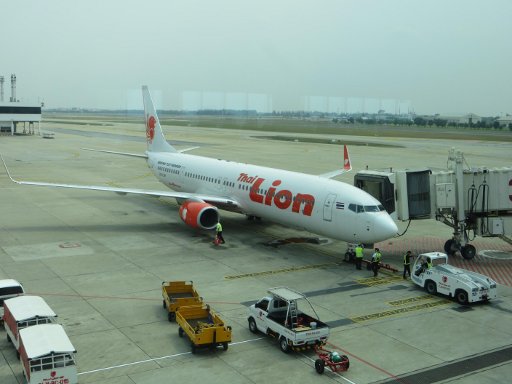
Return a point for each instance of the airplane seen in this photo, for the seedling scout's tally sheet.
(202, 186)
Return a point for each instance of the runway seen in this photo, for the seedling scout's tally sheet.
(99, 259)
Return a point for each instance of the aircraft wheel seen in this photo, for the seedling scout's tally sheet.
(468, 251)
(450, 247)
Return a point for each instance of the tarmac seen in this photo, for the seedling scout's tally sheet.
(99, 259)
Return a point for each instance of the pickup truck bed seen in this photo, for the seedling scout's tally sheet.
(304, 320)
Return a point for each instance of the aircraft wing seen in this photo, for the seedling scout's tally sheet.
(123, 191)
(144, 156)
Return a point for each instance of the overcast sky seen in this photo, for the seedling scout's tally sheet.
(432, 56)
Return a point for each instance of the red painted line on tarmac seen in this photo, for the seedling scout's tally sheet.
(370, 364)
(114, 297)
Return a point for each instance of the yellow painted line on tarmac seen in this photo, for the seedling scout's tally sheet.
(373, 281)
(410, 300)
(275, 271)
(397, 311)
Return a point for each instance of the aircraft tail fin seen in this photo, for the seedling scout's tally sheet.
(154, 135)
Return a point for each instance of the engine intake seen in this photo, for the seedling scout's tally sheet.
(198, 214)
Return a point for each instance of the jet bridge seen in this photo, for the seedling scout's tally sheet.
(472, 201)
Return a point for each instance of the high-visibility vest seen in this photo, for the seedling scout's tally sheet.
(219, 227)
(377, 257)
(359, 252)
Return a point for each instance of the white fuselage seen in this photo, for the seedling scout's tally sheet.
(317, 204)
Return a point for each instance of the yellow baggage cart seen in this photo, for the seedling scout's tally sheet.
(177, 294)
(203, 326)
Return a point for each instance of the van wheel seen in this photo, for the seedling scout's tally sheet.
(461, 296)
(252, 325)
(283, 344)
(431, 287)
(319, 366)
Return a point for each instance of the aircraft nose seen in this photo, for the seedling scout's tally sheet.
(385, 227)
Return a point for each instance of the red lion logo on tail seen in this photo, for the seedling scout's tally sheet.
(150, 128)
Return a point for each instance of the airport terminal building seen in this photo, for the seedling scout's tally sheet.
(12, 114)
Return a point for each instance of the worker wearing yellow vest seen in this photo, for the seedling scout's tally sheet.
(359, 256)
(407, 263)
(376, 262)
(218, 229)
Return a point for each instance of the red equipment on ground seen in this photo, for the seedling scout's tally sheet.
(332, 359)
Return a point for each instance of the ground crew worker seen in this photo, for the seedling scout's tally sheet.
(429, 263)
(218, 228)
(376, 261)
(407, 263)
(359, 256)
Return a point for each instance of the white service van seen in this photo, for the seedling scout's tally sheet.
(8, 288)
(47, 355)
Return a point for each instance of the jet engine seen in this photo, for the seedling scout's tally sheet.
(198, 214)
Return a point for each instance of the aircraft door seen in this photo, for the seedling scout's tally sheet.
(329, 206)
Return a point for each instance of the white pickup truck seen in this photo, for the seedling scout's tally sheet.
(432, 272)
(278, 315)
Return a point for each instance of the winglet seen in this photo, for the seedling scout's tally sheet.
(347, 165)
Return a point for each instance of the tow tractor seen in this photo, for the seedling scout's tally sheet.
(278, 315)
(432, 272)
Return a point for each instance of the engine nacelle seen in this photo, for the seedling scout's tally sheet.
(198, 214)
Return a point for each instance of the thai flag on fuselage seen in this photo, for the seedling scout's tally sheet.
(340, 205)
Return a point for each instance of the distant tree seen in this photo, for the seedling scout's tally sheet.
(420, 121)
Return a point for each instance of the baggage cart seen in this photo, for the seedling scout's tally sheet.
(177, 294)
(203, 326)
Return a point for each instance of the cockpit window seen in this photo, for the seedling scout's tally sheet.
(371, 208)
(367, 208)
(356, 208)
